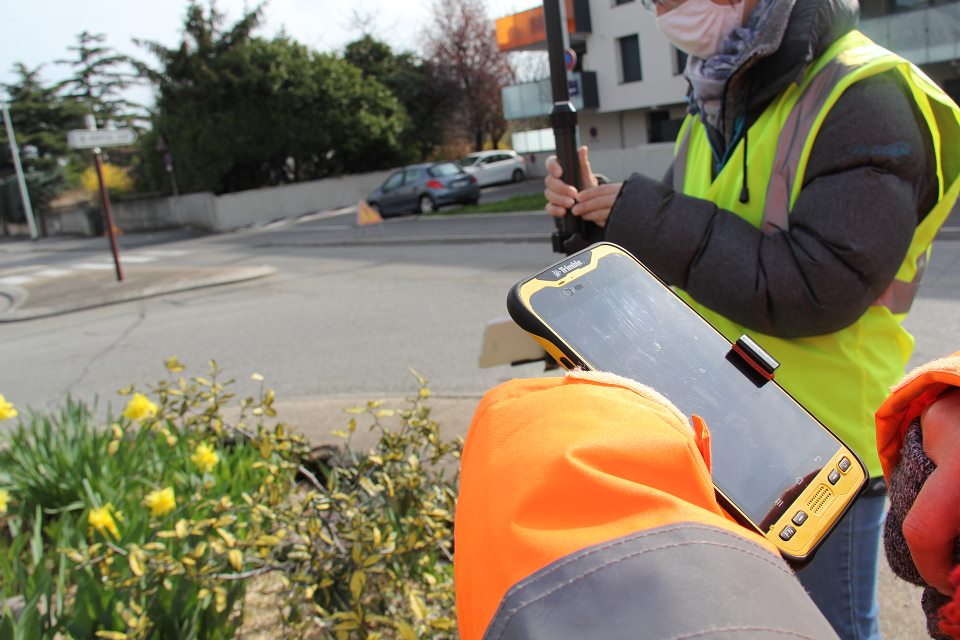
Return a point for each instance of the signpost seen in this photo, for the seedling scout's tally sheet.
(87, 139)
(93, 138)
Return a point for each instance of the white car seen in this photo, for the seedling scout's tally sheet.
(493, 167)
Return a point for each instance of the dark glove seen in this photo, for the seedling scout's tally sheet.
(905, 483)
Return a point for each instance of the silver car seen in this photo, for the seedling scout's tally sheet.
(494, 167)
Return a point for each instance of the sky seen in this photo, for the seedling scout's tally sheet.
(39, 32)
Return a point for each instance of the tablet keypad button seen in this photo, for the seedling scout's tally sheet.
(787, 533)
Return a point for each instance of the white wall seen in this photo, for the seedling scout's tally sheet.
(660, 86)
(192, 209)
(271, 203)
(616, 164)
(620, 130)
(236, 210)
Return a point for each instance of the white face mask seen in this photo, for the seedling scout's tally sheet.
(699, 26)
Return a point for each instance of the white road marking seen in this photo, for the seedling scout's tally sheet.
(164, 253)
(141, 257)
(51, 273)
(137, 259)
(92, 266)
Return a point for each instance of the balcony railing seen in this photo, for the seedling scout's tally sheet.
(924, 36)
(534, 99)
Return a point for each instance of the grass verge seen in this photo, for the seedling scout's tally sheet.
(529, 202)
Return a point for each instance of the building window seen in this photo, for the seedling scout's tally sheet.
(679, 61)
(630, 68)
(661, 127)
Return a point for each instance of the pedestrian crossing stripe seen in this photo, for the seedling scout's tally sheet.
(141, 257)
(92, 266)
(137, 259)
(51, 273)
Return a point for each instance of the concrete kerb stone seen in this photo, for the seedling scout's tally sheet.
(416, 240)
(88, 290)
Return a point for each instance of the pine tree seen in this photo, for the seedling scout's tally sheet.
(41, 118)
(100, 77)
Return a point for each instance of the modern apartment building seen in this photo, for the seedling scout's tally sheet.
(628, 83)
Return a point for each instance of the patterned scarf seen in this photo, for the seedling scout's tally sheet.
(760, 37)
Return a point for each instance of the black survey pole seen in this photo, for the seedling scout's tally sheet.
(570, 235)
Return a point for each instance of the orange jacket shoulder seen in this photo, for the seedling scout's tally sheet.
(907, 401)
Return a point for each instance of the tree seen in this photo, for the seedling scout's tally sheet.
(240, 112)
(414, 83)
(461, 44)
(99, 78)
(41, 118)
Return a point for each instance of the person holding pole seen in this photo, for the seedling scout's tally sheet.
(810, 177)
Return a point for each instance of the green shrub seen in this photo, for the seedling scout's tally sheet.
(154, 526)
(372, 556)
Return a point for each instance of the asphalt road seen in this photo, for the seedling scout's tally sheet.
(348, 311)
(334, 319)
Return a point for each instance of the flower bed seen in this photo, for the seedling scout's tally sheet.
(155, 524)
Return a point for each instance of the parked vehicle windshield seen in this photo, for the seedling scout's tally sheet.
(442, 170)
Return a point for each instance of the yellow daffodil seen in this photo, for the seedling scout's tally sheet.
(160, 502)
(102, 520)
(140, 408)
(4, 501)
(205, 457)
(7, 410)
(173, 365)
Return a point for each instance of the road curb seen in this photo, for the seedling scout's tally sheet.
(415, 240)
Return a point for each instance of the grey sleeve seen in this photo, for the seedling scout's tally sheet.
(869, 177)
(684, 580)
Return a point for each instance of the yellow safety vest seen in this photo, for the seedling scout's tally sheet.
(842, 377)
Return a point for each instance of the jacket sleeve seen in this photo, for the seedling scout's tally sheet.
(586, 510)
(907, 401)
(869, 178)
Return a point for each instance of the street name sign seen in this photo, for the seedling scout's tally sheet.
(91, 139)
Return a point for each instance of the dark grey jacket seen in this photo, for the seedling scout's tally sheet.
(870, 179)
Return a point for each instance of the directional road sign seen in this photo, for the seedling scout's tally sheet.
(91, 139)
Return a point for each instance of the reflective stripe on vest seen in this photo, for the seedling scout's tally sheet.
(680, 157)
